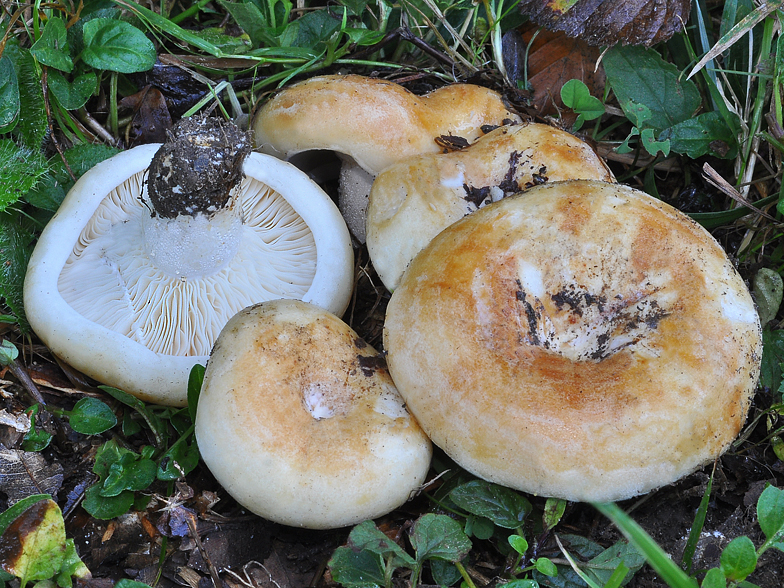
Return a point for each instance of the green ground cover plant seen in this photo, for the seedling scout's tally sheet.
(712, 95)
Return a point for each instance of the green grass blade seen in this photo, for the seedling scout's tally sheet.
(696, 529)
(656, 556)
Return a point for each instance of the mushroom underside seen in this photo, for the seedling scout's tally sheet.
(112, 280)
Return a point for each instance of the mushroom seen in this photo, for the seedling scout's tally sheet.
(300, 422)
(414, 200)
(134, 299)
(371, 123)
(581, 340)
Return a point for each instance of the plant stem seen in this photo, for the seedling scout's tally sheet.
(466, 577)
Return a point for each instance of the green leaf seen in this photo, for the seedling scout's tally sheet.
(91, 416)
(195, 381)
(49, 193)
(603, 566)
(126, 583)
(356, 569)
(32, 547)
(367, 537)
(33, 123)
(16, 509)
(8, 353)
(16, 246)
(698, 136)
(252, 21)
(117, 46)
(106, 507)
(653, 146)
(505, 507)
(9, 95)
(438, 536)
(73, 566)
(772, 359)
(521, 583)
(479, 527)
(229, 44)
(180, 459)
(546, 567)
(640, 76)
(518, 543)
(770, 513)
(130, 472)
(554, 509)
(36, 440)
(20, 170)
(714, 579)
(768, 291)
(687, 560)
(51, 48)
(576, 95)
(316, 28)
(444, 573)
(738, 559)
(75, 94)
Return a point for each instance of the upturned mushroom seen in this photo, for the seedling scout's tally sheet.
(582, 340)
(300, 422)
(372, 124)
(132, 281)
(415, 199)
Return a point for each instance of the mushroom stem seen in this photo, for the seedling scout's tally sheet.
(197, 168)
(195, 226)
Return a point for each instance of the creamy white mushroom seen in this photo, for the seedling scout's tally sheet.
(581, 340)
(372, 123)
(300, 422)
(135, 301)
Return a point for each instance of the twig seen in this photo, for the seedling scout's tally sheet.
(191, 520)
(97, 128)
(26, 381)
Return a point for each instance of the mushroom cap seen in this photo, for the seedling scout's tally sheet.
(95, 297)
(374, 121)
(300, 422)
(414, 200)
(582, 340)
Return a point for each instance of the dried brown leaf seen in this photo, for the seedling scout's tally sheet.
(24, 473)
(608, 22)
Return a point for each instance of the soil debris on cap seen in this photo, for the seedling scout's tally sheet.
(197, 167)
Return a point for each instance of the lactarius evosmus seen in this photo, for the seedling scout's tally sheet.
(300, 422)
(414, 200)
(133, 290)
(372, 124)
(582, 340)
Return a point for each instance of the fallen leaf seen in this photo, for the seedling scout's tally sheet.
(151, 118)
(33, 546)
(23, 473)
(553, 59)
(608, 22)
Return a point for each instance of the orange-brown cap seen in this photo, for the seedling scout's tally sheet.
(300, 422)
(582, 340)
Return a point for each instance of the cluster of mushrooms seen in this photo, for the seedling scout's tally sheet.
(549, 329)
